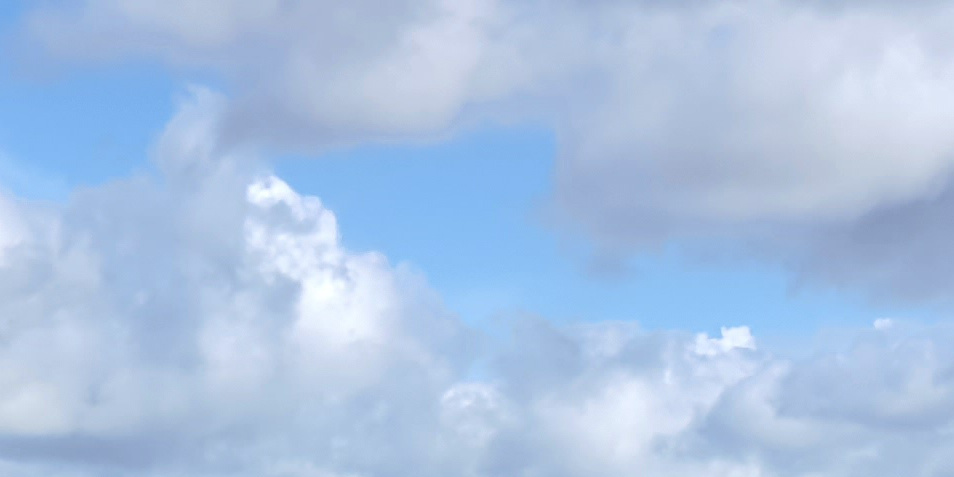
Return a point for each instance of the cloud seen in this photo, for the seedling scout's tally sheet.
(792, 129)
(208, 321)
(193, 321)
(896, 252)
(320, 72)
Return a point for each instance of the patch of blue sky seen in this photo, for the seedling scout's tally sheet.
(79, 127)
(468, 213)
(11, 11)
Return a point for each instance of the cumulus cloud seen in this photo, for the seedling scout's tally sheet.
(797, 129)
(208, 321)
(658, 404)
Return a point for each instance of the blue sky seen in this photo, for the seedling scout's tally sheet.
(569, 238)
(470, 212)
(486, 243)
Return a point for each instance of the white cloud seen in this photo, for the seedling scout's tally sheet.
(209, 322)
(790, 126)
(194, 322)
(658, 407)
(9, 228)
(883, 323)
(732, 338)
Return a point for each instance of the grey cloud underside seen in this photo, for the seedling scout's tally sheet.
(899, 251)
(209, 322)
(790, 125)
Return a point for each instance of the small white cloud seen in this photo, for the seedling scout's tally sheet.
(882, 324)
(732, 338)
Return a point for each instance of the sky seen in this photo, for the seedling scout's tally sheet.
(476, 238)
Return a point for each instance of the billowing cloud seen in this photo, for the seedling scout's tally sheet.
(797, 129)
(208, 321)
(613, 401)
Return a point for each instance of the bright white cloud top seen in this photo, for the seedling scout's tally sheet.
(209, 322)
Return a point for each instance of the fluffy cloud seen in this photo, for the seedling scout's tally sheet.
(794, 128)
(624, 402)
(207, 321)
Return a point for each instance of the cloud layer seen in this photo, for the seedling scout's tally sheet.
(790, 128)
(208, 321)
